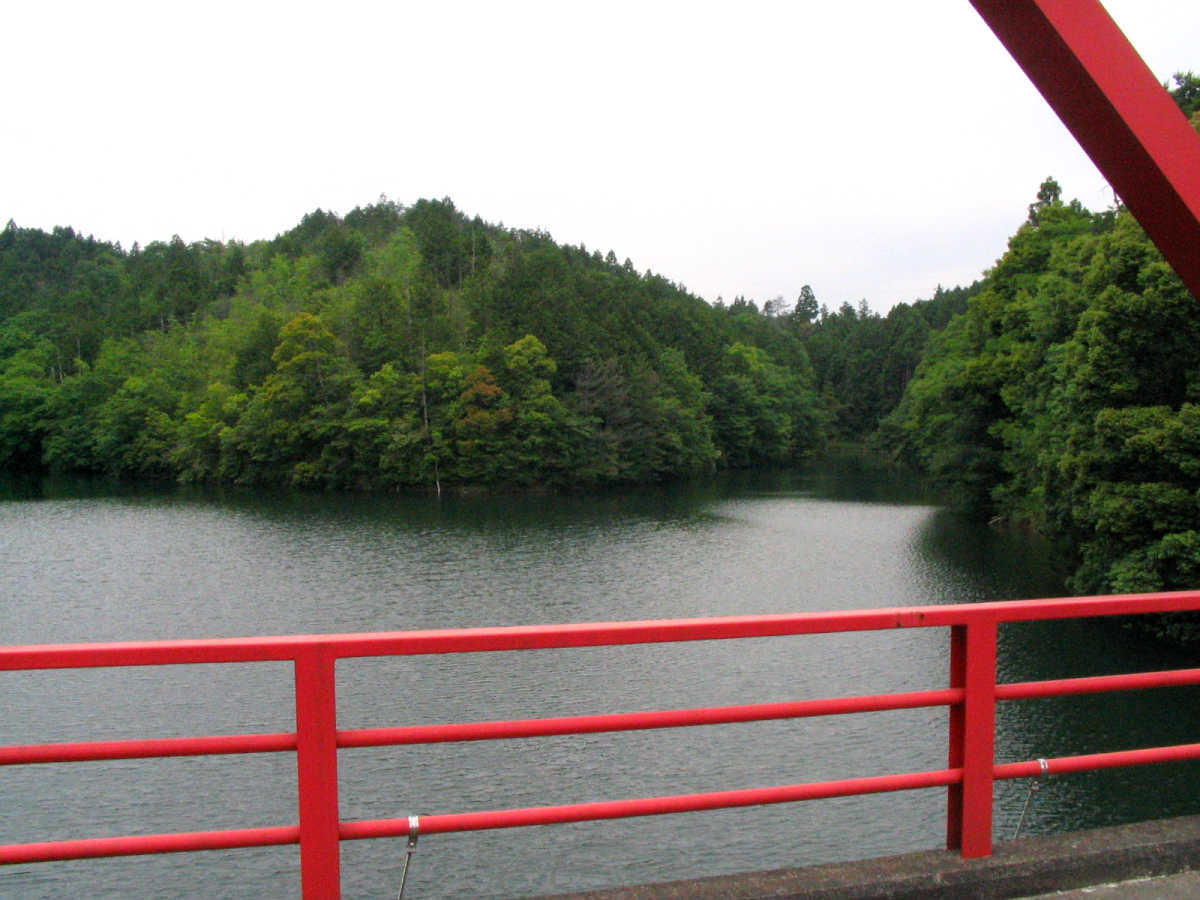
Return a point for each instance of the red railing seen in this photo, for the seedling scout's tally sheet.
(971, 699)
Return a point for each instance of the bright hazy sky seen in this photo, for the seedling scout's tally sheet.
(872, 149)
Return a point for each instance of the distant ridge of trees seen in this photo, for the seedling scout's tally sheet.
(393, 347)
(1066, 396)
(415, 347)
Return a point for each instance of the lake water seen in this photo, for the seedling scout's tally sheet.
(87, 562)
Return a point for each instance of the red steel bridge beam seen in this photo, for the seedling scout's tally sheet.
(1108, 98)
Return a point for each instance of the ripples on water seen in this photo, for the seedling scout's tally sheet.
(106, 565)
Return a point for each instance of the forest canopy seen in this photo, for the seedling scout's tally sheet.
(402, 347)
(392, 347)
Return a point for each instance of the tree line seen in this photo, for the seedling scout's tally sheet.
(1066, 396)
(415, 347)
(394, 347)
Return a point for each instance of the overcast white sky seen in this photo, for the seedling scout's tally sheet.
(872, 149)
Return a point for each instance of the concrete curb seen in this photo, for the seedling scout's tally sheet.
(1017, 869)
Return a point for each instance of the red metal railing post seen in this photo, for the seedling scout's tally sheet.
(954, 793)
(972, 738)
(317, 775)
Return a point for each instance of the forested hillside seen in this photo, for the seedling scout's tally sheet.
(863, 361)
(1067, 396)
(394, 347)
(415, 347)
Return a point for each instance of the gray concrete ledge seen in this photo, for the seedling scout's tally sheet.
(1017, 869)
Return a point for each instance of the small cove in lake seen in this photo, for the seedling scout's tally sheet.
(91, 562)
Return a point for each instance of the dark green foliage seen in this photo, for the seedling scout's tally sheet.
(377, 222)
(252, 361)
(1065, 396)
(414, 347)
(762, 411)
(1187, 92)
(63, 288)
(862, 361)
(398, 347)
(445, 245)
(303, 238)
(1049, 195)
(340, 251)
(26, 390)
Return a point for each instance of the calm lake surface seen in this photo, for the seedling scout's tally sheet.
(96, 563)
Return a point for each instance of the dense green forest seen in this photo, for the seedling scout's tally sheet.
(394, 347)
(403, 347)
(413, 347)
(1067, 396)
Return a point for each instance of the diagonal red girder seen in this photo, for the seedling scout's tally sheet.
(1108, 98)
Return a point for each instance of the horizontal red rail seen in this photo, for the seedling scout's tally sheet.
(970, 698)
(580, 812)
(1026, 690)
(677, 718)
(614, 809)
(526, 728)
(184, 842)
(650, 806)
(593, 634)
(142, 749)
(1064, 765)
(91, 751)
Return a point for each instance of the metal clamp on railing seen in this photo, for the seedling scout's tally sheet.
(1033, 786)
(414, 829)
